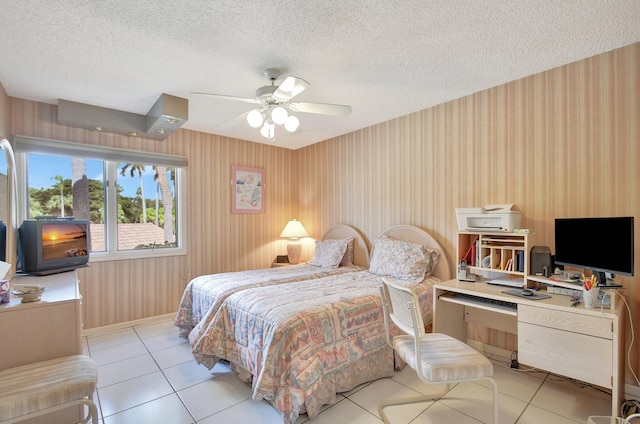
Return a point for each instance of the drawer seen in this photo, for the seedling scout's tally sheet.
(578, 356)
(567, 321)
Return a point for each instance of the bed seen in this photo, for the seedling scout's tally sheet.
(204, 294)
(301, 343)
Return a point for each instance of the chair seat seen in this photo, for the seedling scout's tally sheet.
(444, 358)
(36, 387)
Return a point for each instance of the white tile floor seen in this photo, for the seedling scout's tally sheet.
(147, 375)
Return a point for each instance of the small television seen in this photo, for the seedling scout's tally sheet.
(49, 246)
(603, 245)
(3, 241)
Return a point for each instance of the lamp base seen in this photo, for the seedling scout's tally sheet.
(294, 251)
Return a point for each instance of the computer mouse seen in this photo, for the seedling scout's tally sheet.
(527, 292)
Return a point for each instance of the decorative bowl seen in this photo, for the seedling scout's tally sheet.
(28, 293)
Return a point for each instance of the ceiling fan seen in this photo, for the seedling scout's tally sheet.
(273, 102)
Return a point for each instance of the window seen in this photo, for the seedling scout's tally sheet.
(132, 199)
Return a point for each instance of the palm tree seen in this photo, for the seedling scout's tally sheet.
(157, 202)
(139, 168)
(60, 184)
(80, 189)
(167, 201)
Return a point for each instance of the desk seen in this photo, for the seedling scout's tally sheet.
(580, 343)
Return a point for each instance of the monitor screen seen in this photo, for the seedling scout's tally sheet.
(599, 244)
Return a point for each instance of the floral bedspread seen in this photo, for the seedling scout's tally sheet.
(209, 291)
(301, 343)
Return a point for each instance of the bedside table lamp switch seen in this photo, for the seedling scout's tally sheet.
(294, 231)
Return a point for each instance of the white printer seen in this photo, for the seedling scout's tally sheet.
(488, 218)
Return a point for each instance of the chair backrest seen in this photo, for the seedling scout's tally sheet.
(402, 306)
(631, 417)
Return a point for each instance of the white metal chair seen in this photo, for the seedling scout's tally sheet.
(612, 420)
(436, 358)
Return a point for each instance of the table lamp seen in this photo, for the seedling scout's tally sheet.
(294, 231)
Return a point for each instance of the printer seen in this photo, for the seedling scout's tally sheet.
(488, 218)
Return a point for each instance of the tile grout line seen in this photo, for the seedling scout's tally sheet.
(175, 392)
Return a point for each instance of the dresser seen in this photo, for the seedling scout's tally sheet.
(45, 329)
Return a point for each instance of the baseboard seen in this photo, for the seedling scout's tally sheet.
(631, 391)
(119, 326)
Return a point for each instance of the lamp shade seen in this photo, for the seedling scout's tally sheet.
(255, 118)
(291, 124)
(279, 115)
(294, 230)
(268, 129)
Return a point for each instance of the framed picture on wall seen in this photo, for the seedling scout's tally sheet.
(247, 187)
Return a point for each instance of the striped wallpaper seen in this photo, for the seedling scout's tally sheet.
(564, 142)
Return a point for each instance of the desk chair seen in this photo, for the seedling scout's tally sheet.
(436, 358)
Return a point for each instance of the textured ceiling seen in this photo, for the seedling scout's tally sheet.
(384, 58)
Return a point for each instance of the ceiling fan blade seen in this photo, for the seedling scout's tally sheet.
(290, 87)
(321, 108)
(233, 122)
(222, 96)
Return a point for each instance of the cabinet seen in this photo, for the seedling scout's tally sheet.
(46, 329)
(506, 253)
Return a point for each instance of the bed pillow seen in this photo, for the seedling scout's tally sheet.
(433, 256)
(403, 259)
(347, 259)
(329, 253)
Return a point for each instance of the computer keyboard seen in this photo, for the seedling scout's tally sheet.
(508, 282)
(482, 302)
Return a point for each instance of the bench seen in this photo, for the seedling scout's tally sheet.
(41, 388)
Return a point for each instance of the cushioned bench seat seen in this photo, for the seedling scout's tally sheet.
(38, 389)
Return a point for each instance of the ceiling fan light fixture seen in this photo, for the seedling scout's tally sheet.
(279, 115)
(291, 87)
(255, 118)
(292, 124)
(274, 106)
(268, 130)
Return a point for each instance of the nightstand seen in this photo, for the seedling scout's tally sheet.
(278, 264)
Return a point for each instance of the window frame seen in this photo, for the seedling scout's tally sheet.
(111, 157)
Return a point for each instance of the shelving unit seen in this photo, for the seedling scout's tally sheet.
(506, 253)
(540, 282)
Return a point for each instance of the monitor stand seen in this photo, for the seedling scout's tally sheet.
(605, 283)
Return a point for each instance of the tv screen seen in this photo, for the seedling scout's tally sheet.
(3, 241)
(600, 244)
(50, 246)
(61, 240)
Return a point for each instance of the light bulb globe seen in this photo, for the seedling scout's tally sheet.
(255, 118)
(292, 124)
(279, 115)
(268, 130)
